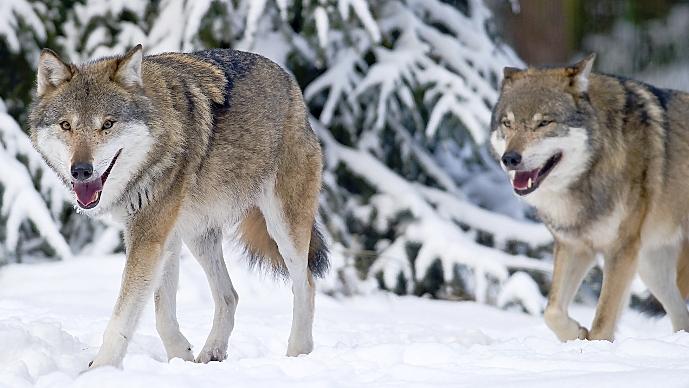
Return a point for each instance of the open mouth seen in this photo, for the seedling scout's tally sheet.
(525, 182)
(88, 193)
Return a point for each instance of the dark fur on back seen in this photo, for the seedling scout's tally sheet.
(235, 64)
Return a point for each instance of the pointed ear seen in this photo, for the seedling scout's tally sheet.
(508, 75)
(128, 71)
(52, 72)
(579, 73)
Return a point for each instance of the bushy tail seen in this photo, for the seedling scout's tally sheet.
(651, 307)
(263, 252)
(318, 253)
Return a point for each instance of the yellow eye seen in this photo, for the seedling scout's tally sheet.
(65, 125)
(544, 123)
(506, 123)
(107, 124)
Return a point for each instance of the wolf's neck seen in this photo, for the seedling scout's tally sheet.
(555, 208)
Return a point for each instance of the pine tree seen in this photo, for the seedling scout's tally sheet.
(400, 93)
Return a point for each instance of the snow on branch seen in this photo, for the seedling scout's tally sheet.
(14, 11)
(21, 200)
(434, 229)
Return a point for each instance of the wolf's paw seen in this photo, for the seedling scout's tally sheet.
(111, 353)
(577, 332)
(295, 349)
(216, 352)
(599, 335)
(183, 352)
(97, 363)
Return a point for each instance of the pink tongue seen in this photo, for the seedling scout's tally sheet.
(521, 179)
(87, 192)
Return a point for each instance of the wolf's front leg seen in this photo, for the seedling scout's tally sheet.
(140, 272)
(146, 236)
(571, 265)
(618, 272)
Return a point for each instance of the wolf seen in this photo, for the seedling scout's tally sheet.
(603, 160)
(185, 148)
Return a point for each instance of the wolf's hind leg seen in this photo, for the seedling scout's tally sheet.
(571, 265)
(165, 297)
(207, 248)
(289, 222)
(683, 271)
(658, 270)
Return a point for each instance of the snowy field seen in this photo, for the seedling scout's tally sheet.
(52, 317)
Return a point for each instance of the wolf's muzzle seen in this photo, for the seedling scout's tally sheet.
(88, 191)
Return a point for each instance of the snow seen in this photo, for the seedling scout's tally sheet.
(255, 12)
(340, 79)
(52, 316)
(520, 287)
(362, 11)
(322, 25)
(11, 13)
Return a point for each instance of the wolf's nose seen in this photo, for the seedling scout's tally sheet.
(511, 159)
(82, 171)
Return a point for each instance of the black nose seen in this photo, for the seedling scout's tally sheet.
(82, 171)
(511, 159)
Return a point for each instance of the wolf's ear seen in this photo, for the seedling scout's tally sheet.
(579, 73)
(128, 71)
(508, 73)
(52, 72)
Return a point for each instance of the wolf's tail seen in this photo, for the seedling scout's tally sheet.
(263, 252)
(318, 253)
(651, 307)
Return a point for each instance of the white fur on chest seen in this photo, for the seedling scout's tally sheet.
(604, 232)
(554, 205)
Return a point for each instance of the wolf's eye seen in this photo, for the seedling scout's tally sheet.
(506, 123)
(107, 124)
(65, 125)
(544, 123)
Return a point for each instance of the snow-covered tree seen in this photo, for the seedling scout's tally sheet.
(400, 93)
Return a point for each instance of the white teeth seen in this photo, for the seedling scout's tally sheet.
(529, 183)
(512, 174)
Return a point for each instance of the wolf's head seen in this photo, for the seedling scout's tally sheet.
(542, 125)
(90, 124)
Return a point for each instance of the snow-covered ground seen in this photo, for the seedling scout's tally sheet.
(52, 317)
